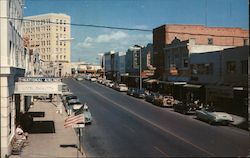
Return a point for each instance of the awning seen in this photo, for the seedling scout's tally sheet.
(150, 80)
(173, 83)
(192, 86)
(239, 88)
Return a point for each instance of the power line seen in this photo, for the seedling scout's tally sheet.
(84, 25)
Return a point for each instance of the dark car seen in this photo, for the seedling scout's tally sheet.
(67, 98)
(131, 91)
(185, 108)
(139, 93)
(151, 97)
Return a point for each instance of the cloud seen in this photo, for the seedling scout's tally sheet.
(88, 49)
(113, 36)
(87, 43)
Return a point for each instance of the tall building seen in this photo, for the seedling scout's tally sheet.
(203, 35)
(49, 34)
(13, 60)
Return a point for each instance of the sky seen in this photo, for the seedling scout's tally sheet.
(88, 42)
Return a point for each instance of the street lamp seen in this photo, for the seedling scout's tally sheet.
(140, 68)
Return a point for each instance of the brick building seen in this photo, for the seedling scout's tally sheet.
(221, 36)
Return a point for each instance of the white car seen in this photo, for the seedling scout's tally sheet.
(123, 88)
(213, 117)
(93, 79)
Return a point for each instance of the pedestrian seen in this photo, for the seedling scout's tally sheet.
(20, 134)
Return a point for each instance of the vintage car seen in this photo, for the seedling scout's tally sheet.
(87, 115)
(151, 97)
(165, 101)
(185, 108)
(122, 88)
(139, 93)
(214, 117)
(131, 91)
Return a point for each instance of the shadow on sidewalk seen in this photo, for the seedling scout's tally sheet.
(42, 127)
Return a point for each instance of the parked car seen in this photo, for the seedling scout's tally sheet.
(151, 97)
(131, 91)
(212, 117)
(79, 78)
(111, 84)
(165, 101)
(185, 108)
(73, 105)
(67, 98)
(85, 110)
(139, 93)
(93, 79)
(122, 88)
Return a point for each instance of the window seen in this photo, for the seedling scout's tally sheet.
(201, 69)
(64, 29)
(245, 42)
(64, 56)
(231, 67)
(210, 41)
(244, 66)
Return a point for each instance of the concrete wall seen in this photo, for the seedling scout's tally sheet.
(211, 58)
(237, 54)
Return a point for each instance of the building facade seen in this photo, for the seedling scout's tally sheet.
(49, 34)
(203, 35)
(177, 58)
(13, 60)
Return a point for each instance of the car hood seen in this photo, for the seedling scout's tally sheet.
(222, 115)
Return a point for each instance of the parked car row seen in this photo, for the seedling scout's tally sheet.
(205, 113)
(73, 105)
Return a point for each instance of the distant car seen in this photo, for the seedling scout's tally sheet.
(212, 117)
(151, 97)
(79, 78)
(111, 84)
(131, 91)
(165, 101)
(122, 88)
(93, 79)
(139, 93)
(185, 108)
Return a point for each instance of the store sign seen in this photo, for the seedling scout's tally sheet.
(38, 88)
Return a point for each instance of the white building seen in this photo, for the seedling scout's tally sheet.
(12, 65)
(49, 34)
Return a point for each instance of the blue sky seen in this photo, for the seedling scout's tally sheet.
(144, 14)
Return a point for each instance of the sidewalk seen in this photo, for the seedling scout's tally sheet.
(240, 122)
(48, 133)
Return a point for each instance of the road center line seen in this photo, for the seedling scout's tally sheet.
(148, 121)
(162, 152)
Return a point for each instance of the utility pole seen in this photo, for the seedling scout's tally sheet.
(140, 67)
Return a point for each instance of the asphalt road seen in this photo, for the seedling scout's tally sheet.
(124, 126)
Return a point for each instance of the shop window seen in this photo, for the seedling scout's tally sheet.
(245, 42)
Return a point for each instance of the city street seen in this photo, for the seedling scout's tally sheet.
(125, 126)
